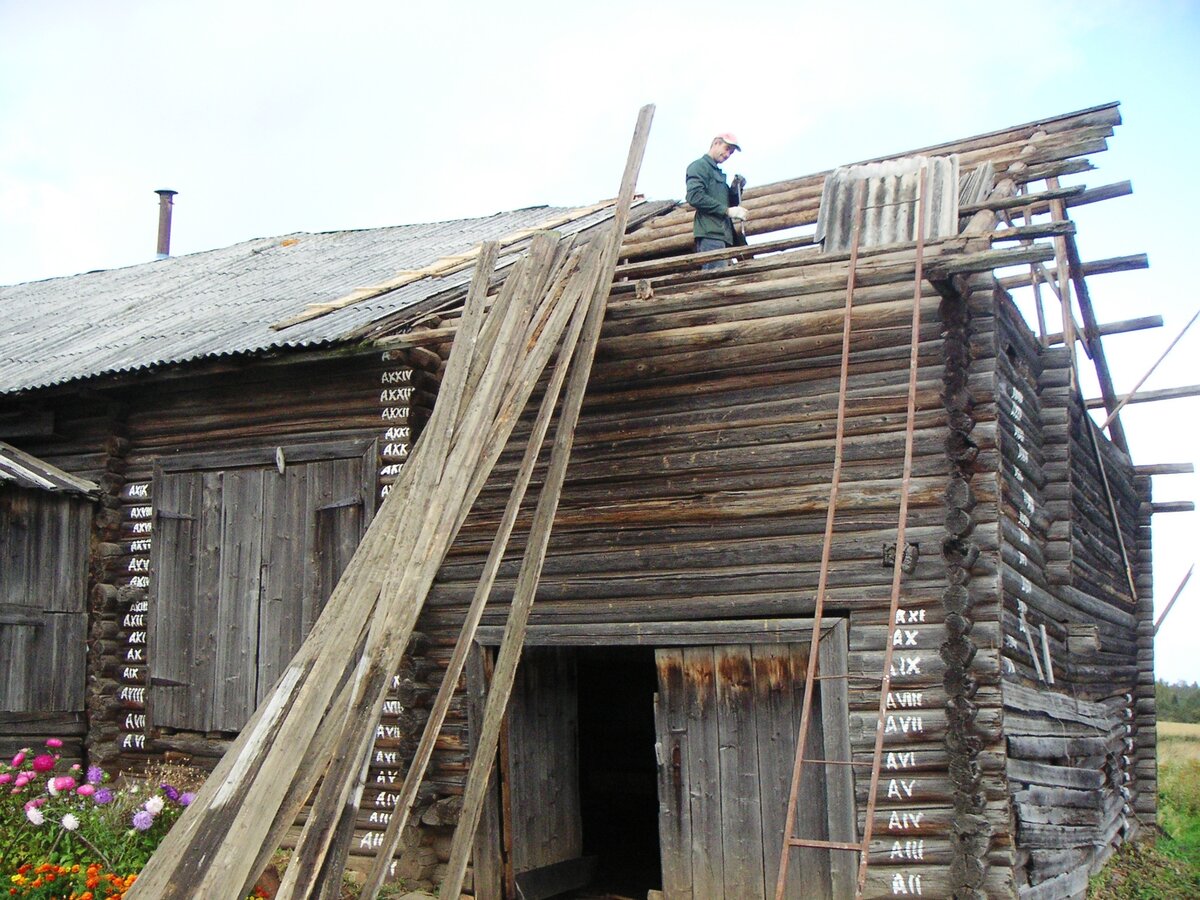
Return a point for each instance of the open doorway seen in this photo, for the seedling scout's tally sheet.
(617, 769)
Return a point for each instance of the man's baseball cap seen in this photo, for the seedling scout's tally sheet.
(731, 139)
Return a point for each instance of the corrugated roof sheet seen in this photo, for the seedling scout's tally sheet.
(21, 469)
(223, 302)
(889, 204)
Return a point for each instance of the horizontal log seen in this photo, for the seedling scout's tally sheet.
(1173, 506)
(1022, 200)
(1029, 232)
(1032, 772)
(1122, 327)
(1042, 171)
(1096, 267)
(1091, 195)
(692, 261)
(968, 263)
(1026, 746)
(1165, 469)
(1070, 883)
(1172, 393)
(1063, 707)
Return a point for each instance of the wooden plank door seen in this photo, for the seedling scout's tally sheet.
(541, 778)
(243, 561)
(727, 717)
(314, 515)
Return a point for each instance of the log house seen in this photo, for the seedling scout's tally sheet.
(244, 411)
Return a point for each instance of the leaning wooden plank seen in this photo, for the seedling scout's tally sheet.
(1112, 415)
(216, 843)
(429, 461)
(444, 504)
(385, 651)
(486, 450)
(424, 751)
(1091, 339)
(481, 765)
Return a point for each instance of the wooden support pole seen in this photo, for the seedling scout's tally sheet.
(1092, 341)
(1113, 414)
(1059, 211)
(506, 663)
(445, 696)
(1175, 596)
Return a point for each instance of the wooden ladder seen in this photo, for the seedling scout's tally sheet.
(790, 839)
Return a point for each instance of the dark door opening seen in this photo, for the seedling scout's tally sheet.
(617, 768)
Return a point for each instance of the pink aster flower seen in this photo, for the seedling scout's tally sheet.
(63, 782)
(53, 743)
(5, 777)
(85, 790)
(43, 763)
(23, 779)
(19, 758)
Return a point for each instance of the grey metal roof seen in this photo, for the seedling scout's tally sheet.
(21, 469)
(223, 302)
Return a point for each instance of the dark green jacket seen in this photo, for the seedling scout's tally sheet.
(708, 193)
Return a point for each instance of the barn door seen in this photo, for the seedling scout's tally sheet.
(727, 718)
(243, 561)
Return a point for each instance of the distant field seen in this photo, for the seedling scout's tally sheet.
(1177, 742)
(1185, 730)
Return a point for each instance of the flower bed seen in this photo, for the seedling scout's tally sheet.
(77, 834)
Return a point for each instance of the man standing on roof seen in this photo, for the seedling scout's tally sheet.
(715, 203)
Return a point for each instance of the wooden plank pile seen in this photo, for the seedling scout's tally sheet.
(319, 721)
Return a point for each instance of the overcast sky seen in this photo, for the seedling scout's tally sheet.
(271, 118)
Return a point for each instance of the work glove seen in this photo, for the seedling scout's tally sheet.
(737, 213)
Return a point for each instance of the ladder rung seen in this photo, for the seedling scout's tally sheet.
(868, 763)
(827, 845)
(873, 681)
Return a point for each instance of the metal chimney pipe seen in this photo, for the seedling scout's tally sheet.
(165, 202)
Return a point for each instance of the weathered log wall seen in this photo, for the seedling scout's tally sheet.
(233, 411)
(698, 488)
(1074, 648)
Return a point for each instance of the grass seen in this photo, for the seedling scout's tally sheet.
(1167, 866)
